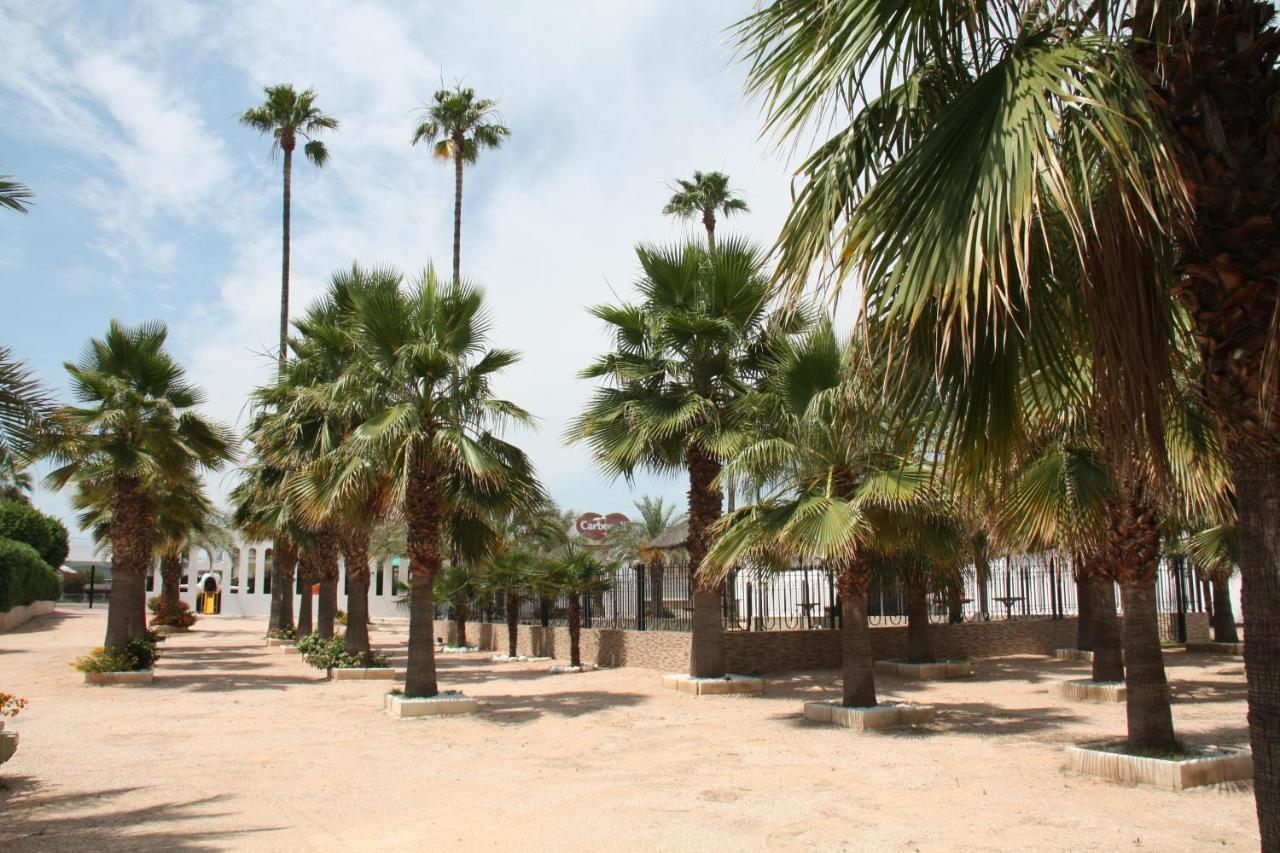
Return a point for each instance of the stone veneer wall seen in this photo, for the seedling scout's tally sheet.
(761, 652)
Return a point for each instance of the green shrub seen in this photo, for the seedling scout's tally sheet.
(332, 654)
(175, 613)
(24, 577)
(139, 653)
(25, 523)
(283, 634)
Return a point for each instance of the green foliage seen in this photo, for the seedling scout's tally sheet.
(331, 653)
(24, 577)
(24, 523)
(139, 653)
(283, 634)
(166, 612)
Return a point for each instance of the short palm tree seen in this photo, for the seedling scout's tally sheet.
(136, 431)
(458, 126)
(262, 509)
(509, 575)
(702, 197)
(682, 356)
(288, 115)
(630, 543)
(834, 485)
(423, 348)
(14, 195)
(1215, 550)
(576, 573)
(457, 587)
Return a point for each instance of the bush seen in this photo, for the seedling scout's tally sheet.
(25, 523)
(341, 617)
(139, 653)
(24, 577)
(175, 613)
(74, 582)
(332, 654)
(283, 634)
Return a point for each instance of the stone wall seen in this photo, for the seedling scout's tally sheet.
(761, 652)
(20, 614)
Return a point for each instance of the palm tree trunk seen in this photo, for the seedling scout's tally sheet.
(423, 513)
(284, 262)
(575, 629)
(1133, 546)
(170, 577)
(327, 549)
(282, 572)
(1258, 498)
(355, 554)
(513, 622)
(655, 587)
(709, 222)
(1224, 619)
(857, 660)
(307, 576)
(1108, 645)
(132, 523)
(983, 569)
(706, 647)
(458, 143)
(460, 624)
(1084, 608)
(919, 636)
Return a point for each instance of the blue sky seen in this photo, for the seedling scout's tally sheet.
(152, 203)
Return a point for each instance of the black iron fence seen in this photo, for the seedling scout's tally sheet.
(653, 598)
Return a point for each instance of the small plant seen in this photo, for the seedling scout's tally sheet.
(341, 616)
(174, 613)
(332, 654)
(283, 634)
(139, 653)
(10, 705)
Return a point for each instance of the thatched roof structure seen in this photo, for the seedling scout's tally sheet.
(675, 536)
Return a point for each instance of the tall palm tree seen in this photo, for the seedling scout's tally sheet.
(683, 355)
(288, 115)
(136, 431)
(14, 195)
(701, 197)
(458, 126)
(834, 485)
(424, 349)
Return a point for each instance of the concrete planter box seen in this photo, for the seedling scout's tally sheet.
(559, 668)
(435, 706)
(1213, 764)
(139, 676)
(288, 649)
(935, 671)
(277, 642)
(360, 673)
(517, 658)
(456, 650)
(1073, 654)
(166, 630)
(8, 745)
(746, 685)
(21, 614)
(1217, 648)
(1084, 690)
(883, 716)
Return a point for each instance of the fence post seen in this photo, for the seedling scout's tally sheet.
(586, 611)
(831, 596)
(640, 597)
(750, 605)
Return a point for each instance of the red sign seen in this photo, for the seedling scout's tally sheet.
(593, 525)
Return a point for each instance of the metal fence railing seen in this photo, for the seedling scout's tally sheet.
(660, 598)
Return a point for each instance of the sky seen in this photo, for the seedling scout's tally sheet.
(152, 202)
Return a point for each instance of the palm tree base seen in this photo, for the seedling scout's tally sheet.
(442, 704)
(931, 671)
(1087, 690)
(715, 686)
(1217, 648)
(1193, 766)
(883, 716)
(519, 659)
(560, 669)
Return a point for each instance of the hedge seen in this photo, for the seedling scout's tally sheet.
(24, 523)
(24, 577)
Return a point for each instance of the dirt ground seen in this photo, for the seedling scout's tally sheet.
(237, 746)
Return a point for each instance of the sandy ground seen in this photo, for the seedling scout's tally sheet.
(236, 746)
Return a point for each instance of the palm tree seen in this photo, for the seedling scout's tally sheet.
(14, 195)
(24, 401)
(423, 348)
(510, 575)
(630, 542)
(288, 115)
(683, 355)
(15, 482)
(577, 574)
(701, 198)
(1215, 550)
(457, 587)
(835, 486)
(136, 431)
(984, 108)
(263, 510)
(458, 125)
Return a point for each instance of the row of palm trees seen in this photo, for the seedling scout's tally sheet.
(1016, 185)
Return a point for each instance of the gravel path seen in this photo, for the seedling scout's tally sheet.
(237, 746)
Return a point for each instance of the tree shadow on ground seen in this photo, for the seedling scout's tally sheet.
(40, 624)
(516, 710)
(1185, 690)
(971, 718)
(38, 821)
